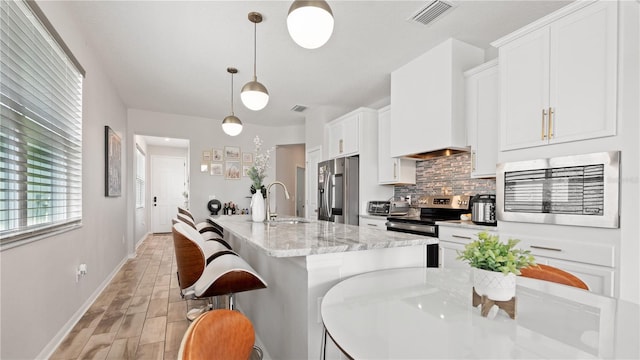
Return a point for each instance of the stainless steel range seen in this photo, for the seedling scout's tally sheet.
(432, 209)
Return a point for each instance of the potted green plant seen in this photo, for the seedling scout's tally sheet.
(495, 265)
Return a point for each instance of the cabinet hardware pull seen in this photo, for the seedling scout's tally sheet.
(550, 123)
(461, 237)
(372, 224)
(544, 248)
(340, 147)
(542, 134)
(395, 166)
(473, 161)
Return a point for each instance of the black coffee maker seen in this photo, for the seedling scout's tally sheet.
(483, 209)
(214, 206)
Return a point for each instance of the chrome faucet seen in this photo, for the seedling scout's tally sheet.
(271, 216)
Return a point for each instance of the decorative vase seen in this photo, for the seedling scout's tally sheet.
(495, 285)
(257, 207)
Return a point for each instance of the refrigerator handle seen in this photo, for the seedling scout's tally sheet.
(331, 179)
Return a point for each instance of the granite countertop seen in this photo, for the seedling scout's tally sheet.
(467, 224)
(312, 237)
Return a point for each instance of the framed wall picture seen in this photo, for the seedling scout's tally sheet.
(231, 153)
(247, 158)
(232, 170)
(218, 155)
(206, 155)
(216, 169)
(113, 163)
(245, 170)
(204, 166)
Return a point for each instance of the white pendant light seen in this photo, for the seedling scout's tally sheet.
(254, 95)
(310, 23)
(231, 125)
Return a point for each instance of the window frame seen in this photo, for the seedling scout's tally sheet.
(141, 184)
(42, 152)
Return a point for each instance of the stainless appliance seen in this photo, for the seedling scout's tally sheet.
(432, 209)
(483, 209)
(579, 190)
(379, 207)
(338, 190)
(389, 207)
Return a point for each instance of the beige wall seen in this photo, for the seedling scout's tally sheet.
(288, 158)
(40, 298)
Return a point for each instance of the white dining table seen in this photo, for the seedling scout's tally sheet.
(427, 313)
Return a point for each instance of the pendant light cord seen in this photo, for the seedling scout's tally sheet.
(231, 93)
(255, 78)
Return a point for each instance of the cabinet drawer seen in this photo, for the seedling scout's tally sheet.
(460, 235)
(599, 279)
(379, 224)
(571, 250)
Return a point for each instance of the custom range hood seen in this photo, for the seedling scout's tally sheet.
(435, 154)
(428, 102)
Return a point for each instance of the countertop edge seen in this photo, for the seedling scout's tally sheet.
(341, 248)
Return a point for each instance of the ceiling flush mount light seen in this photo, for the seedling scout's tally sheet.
(310, 23)
(254, 95)
(231, 125)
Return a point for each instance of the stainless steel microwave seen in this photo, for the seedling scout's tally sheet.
(581, 190)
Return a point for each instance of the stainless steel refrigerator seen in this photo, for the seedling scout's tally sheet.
(338, 183)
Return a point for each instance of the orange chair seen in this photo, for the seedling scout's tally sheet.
(553, 274)
(218, 334)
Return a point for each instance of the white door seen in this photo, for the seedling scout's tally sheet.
(313, 157)
(167, 185)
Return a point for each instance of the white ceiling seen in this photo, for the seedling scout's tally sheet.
(166, 142)
(172, 56)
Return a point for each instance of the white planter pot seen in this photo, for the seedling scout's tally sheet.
(258, 212)
(495, 285)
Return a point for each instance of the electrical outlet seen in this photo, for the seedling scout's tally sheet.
(123, 238)
(81, 271)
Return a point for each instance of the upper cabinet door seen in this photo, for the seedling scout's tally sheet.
(524, 90)
(483, 118)
(558, 81)
(351, 135)
(583, 74)
(391, 170)
(344, 136)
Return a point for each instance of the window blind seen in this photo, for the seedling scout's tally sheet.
(40, 128)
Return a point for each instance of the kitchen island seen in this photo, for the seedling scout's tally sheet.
(301, 261)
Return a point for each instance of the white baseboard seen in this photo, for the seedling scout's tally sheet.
(143, 238)
(66, 329)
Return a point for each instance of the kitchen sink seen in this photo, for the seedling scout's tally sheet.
(287, 221)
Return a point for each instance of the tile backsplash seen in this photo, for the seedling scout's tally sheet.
(447, 175)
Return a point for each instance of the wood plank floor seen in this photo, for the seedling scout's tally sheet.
(139, 315)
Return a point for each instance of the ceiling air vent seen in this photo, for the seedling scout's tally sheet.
(431, 11)
(298, 108)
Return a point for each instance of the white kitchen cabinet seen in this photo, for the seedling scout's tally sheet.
(378, 223)
(448, 255)
(558, 77)
(391, 170)
(356, 133)
(452, 238)
(599, 279)
(344, 135)
(427, 99)
(483, 118)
